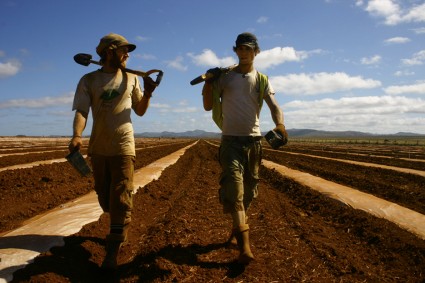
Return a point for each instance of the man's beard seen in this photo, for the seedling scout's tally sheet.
(116, 62)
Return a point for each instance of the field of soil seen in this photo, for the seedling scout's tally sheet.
(178, 231)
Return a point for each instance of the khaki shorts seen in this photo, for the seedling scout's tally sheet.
(240, 159)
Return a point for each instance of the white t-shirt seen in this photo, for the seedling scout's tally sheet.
(111, 98)
(241, 110)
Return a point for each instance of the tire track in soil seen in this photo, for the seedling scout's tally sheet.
(178, 231)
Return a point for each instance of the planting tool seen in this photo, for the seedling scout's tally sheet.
(85, 60)
(275, 139)
(207, 75)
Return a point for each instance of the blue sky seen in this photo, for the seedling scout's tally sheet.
(335, 64)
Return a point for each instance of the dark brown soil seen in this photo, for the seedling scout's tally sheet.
(178, 229)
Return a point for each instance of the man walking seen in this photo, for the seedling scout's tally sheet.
(236, 98)
(111, 93)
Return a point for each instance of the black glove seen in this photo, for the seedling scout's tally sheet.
(149, 86)
(214, 73)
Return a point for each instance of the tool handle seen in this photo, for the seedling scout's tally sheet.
(201, 78)
(159, 77)
(138, 73)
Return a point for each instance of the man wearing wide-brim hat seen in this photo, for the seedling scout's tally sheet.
(111, 93)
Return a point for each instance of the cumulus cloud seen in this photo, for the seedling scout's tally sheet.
(319, 83)
(375, 114)
(279, 55)
(392, 12)
(404, 73)
(177, 64)
(417, 59)
(209, 59)
(409, 89)
(362, 105)
(266, 59)
(42, 102)
(372, 60)
(9, 68)
(397, 40)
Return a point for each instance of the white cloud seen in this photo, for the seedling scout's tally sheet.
(266, 58)
(361, 105)
(279, 55)
(177, 64)
(185, 110)
(372, 60)
(141, 38)
(404, 73)
(419, 30)
(159, 106)
(10, 68)
(397, 40)
(209, 59)
(319, 83)
(411, 89)
(417, 59)
(262, 20)
(374, 114)
(42, 102)
(392, 12)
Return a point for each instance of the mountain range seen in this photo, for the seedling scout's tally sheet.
(298, 133)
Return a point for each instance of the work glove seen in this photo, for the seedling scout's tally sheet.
(149, 86)
(215, 72)
(280, 128)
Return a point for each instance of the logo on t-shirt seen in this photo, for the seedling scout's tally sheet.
(109, 94)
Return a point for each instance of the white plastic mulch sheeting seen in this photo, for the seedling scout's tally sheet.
(407, 219)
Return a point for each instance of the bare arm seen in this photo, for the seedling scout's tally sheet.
(276, 112)
(207, 96)
(80, 121)
(143, 105)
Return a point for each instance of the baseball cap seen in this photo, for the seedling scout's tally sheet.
(247, 39)
(113, 41)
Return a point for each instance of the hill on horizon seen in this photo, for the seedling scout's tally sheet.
(299, 133)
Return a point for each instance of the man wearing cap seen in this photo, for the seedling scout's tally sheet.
(236, 96)
(111, 93)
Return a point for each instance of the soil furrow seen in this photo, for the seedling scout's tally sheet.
(31, 191)
(178, 231)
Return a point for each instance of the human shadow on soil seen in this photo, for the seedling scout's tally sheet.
(75, 262)
(72, 261)
(32, 242)
(147, 267)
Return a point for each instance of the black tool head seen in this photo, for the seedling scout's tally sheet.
(83, 59)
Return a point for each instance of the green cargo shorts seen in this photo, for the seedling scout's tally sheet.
(240, 159)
